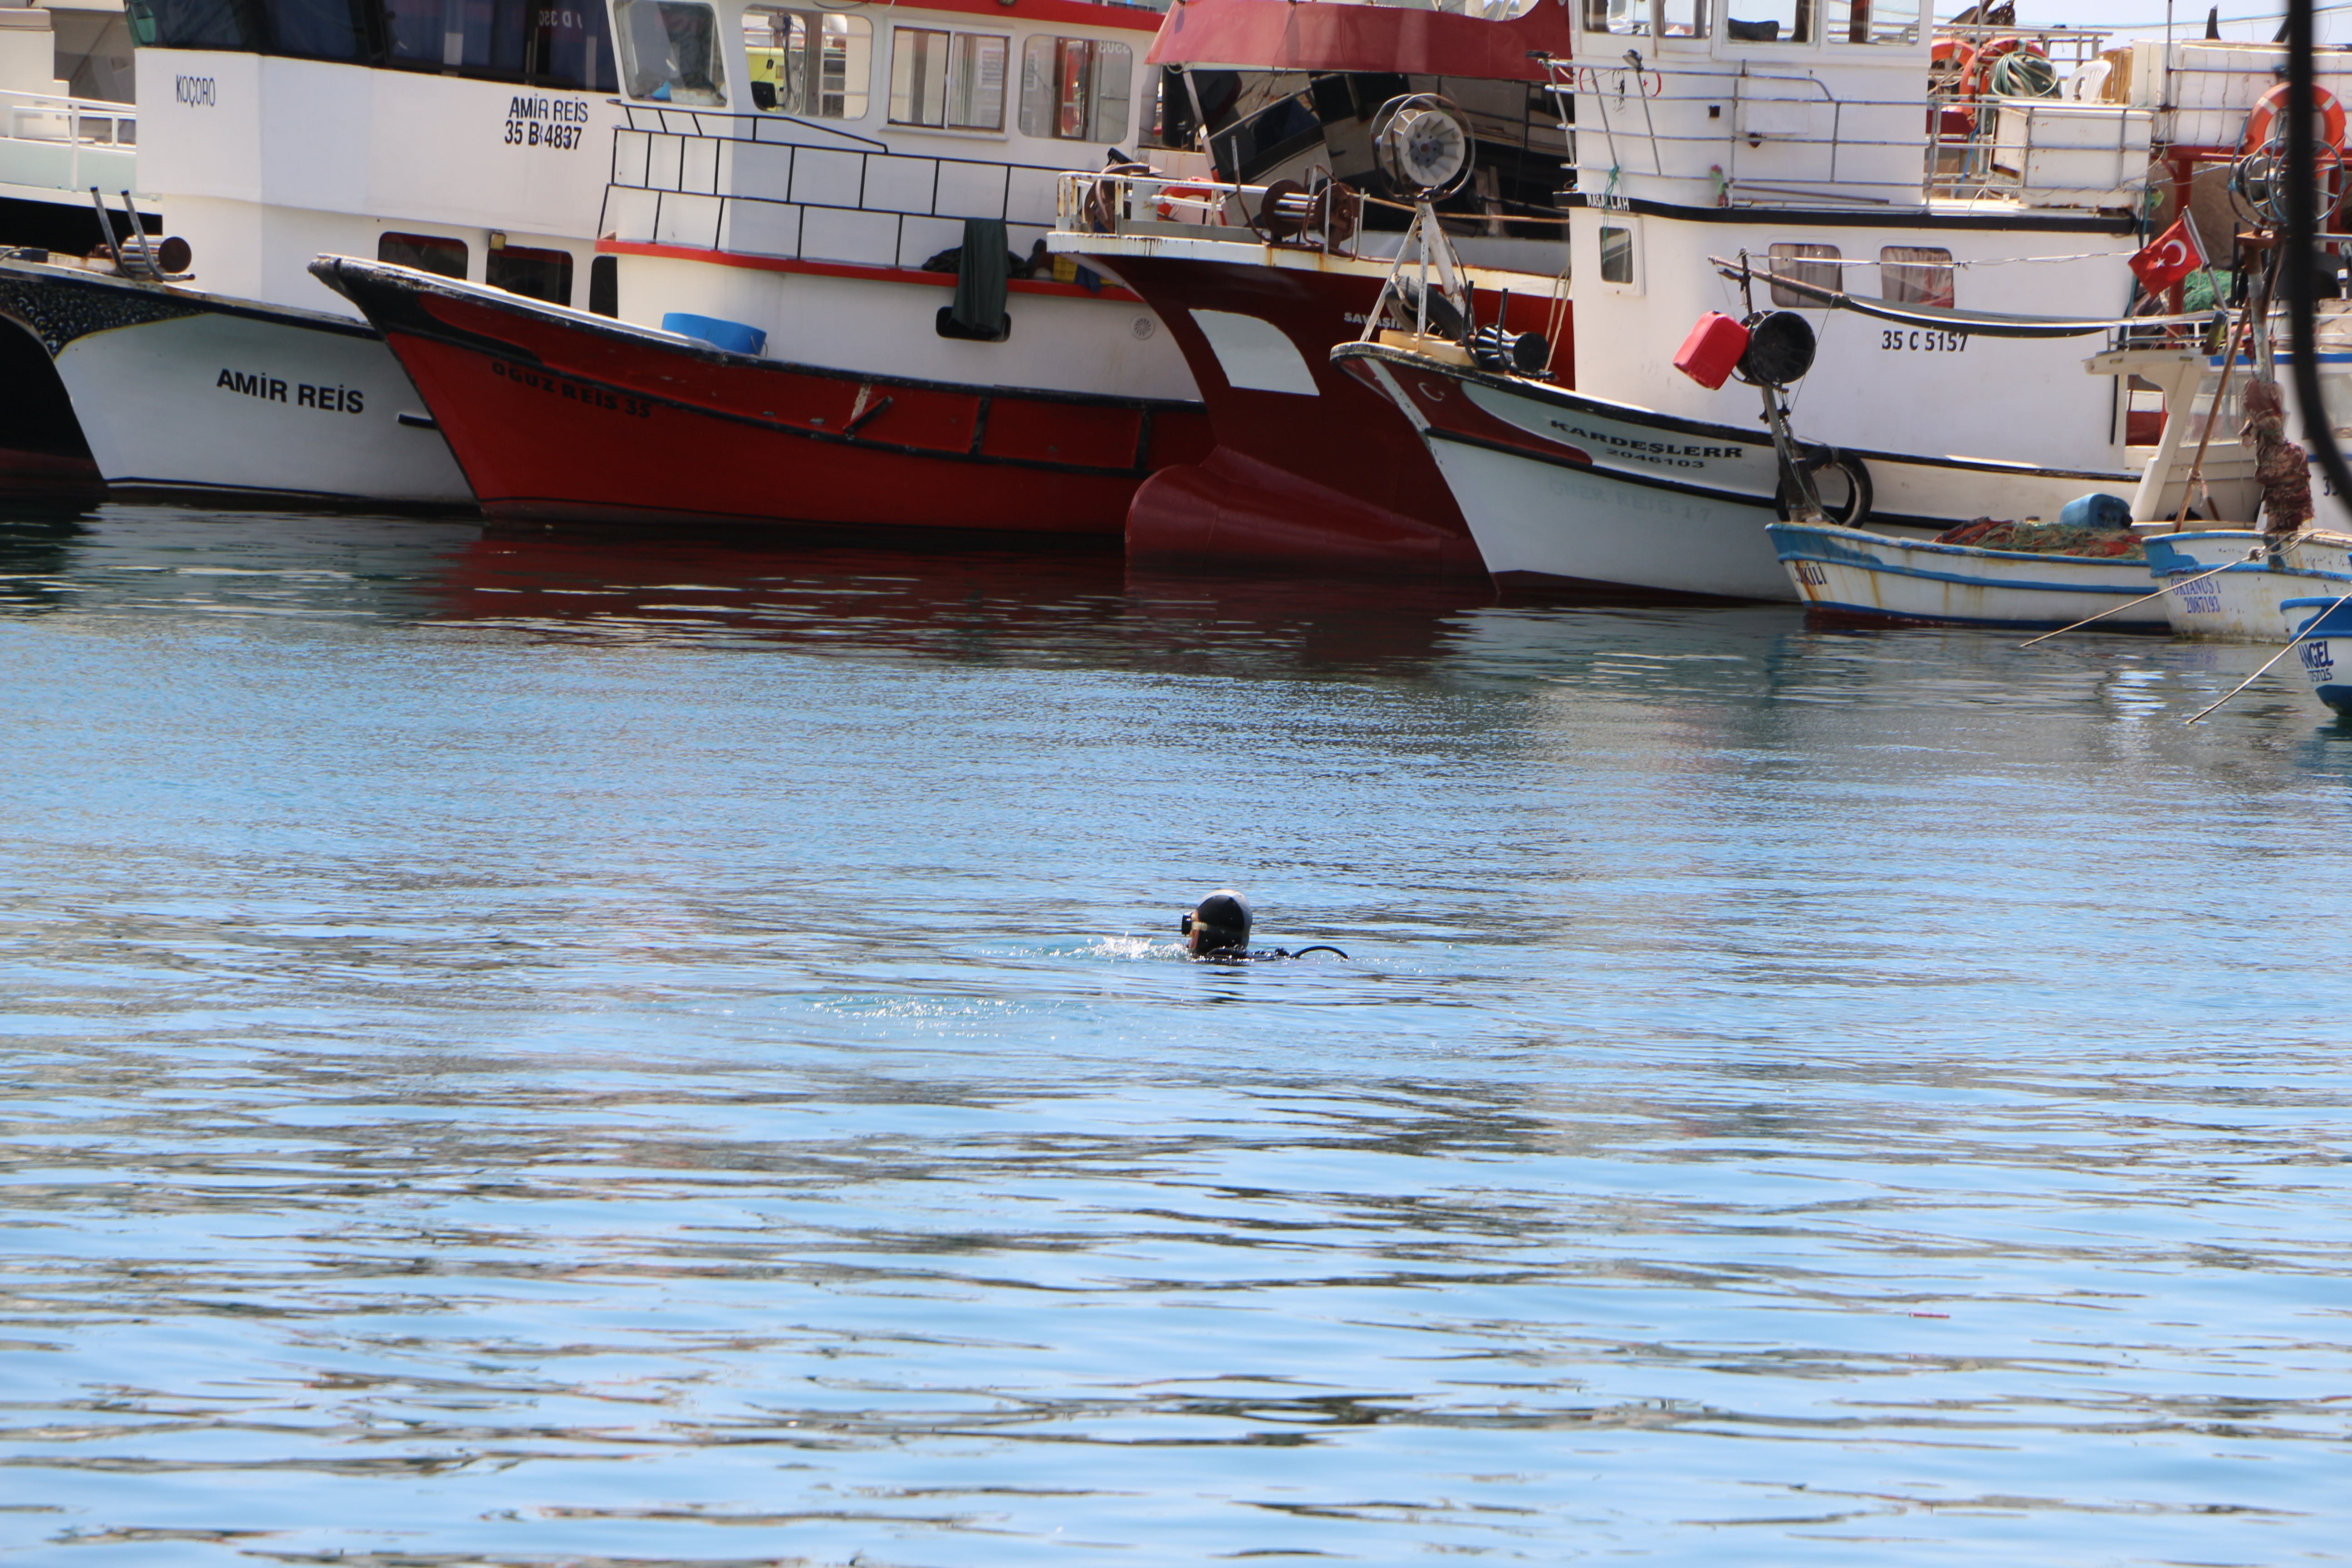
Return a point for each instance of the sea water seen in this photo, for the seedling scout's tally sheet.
(548, 1048)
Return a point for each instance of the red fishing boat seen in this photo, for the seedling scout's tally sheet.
(820, 295)
(1311, 468)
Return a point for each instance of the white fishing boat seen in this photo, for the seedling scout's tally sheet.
(1853, 573)
(475, 146)
(1783, 164)
(2234, 584)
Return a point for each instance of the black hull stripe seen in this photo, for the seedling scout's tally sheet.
(1762, 505)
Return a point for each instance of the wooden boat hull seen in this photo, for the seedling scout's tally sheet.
(1852, 574)
(554, 414)
(2323, 647)
(2245, 602)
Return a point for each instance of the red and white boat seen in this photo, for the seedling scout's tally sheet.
(774, 347)
(1311, 467)
(1804, 157)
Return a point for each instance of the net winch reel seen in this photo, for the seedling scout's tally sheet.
(1423, 147)
(2258, 185)
(1424, 150)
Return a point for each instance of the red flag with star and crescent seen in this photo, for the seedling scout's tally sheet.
(2169, 258)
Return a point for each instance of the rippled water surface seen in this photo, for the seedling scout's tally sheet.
(554, 1050)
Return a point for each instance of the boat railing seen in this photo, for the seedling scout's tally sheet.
(1145, 202)
(771, 185)
(49, 142)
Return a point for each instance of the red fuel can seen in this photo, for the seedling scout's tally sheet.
(1713, 347)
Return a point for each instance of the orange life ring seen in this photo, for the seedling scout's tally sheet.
(2272, 105)
(1978, 74)
(1169, 196)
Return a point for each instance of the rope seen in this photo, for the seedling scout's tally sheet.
(2272, 659)
(2143, 599)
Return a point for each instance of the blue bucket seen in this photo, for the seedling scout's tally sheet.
(732, 336)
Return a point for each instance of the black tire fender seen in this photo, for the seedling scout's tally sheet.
(1855, 511)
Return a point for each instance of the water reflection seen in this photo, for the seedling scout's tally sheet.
(534, 1048)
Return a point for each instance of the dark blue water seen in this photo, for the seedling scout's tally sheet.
(538, 1049)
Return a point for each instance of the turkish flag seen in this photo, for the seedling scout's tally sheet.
(2174, 255)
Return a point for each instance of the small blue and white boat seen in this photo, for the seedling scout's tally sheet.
(2258, 575)
(2323, 624)
(1852, 573)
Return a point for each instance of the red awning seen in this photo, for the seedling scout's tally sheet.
(1302, 34)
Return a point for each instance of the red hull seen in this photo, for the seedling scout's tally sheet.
(553, 415)
(49, 476)
(1338, 480)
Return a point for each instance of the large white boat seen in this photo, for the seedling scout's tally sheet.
(473, 142)
(1822, 148)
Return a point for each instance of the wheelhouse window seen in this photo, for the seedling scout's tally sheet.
(1075, 88)
(950, 81)
(1683, 18)
(1813, 263)
(1616, 255)
(1768, 21)
(1628, 16)
(559, 45)
(426, 252)
(316, 29)
(669, 52)
(194, 24)
(1871, 22)
(808, 63)
(537, 273)
(543, 43)
(1915, 275)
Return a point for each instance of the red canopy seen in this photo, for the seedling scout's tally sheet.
(1301, 34)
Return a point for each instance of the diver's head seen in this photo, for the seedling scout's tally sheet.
(1220, 921)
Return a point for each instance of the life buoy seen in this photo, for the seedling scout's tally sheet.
(1198, 203)
(2272, 105)
(1978, 74)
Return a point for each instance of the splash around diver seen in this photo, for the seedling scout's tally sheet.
(1217, 930)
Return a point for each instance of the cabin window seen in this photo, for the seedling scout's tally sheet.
(1769, 22)
(1813, 263)
(425, 252)
(1916, 275)
(572, 45)
(1632, 16)
(1871, 22)
(669, 52)
(808, 63)
(535, 274)
(316, 30)
(1683, 18)
(605, 286)
(194, 25)
(1075, 88)
(1616, 255)
(950, 81)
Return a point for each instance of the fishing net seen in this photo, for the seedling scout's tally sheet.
(2047, 539)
